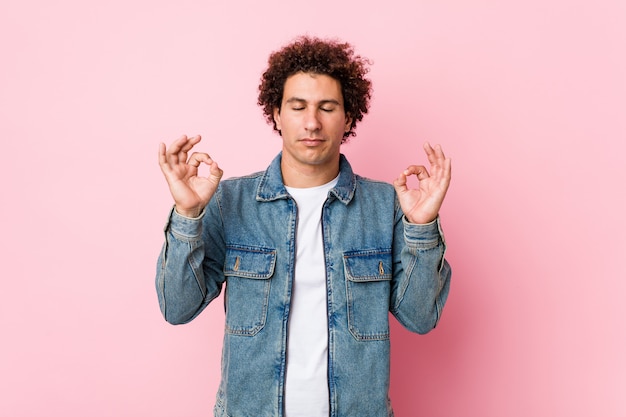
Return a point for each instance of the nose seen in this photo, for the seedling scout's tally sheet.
(311, 120)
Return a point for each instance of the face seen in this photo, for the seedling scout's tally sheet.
(312, 121)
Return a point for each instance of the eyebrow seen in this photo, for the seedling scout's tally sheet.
(321, 102)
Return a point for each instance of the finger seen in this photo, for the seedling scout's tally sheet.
(435, 155)
(162, 157)
(177, 145)
(440, 174)
(428, 149)
(166, 158)
(187, 146)
(419, 171)
(197, 158)
(172, 153)
(444, 167)
(164, 164)
(447, 170)
(400, 181)
(439, 153)
(216, 172)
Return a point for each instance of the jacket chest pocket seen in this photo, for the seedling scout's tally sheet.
(248, 271)
(368, 280)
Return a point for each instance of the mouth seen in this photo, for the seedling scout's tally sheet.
(311, 141)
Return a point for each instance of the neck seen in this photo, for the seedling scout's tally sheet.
(308, 176)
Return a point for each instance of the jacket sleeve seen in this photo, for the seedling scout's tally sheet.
(421, 280)
(190, 265)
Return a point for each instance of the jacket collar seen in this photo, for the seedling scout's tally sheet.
(272, 187)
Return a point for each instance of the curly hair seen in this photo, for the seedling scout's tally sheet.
(314, 55)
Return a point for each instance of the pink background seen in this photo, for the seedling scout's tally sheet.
(527, 97)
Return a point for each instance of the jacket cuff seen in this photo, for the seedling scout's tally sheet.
(423, 235)
(184, 226)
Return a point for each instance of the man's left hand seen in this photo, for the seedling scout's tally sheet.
(422, 205)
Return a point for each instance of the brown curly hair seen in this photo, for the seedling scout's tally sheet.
(313, 55)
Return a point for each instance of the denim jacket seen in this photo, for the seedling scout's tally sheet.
(376, 263)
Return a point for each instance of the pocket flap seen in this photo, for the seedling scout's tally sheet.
(369, 265)
(249, 262)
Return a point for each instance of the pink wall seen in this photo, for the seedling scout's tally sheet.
(528, 97)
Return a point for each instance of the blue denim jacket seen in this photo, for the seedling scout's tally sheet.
(376, 263)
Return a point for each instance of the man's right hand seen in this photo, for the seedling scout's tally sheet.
(191, 193)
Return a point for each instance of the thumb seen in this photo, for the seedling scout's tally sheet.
(400, 183)
(215, 173)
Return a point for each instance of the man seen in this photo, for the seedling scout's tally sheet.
(313, 256)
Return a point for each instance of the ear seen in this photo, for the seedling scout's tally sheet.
(348, 123)
(277, 118)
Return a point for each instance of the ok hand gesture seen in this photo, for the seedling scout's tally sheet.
(191, 193)
(422, 205)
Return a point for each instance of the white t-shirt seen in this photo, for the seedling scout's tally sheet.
(306, 384)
